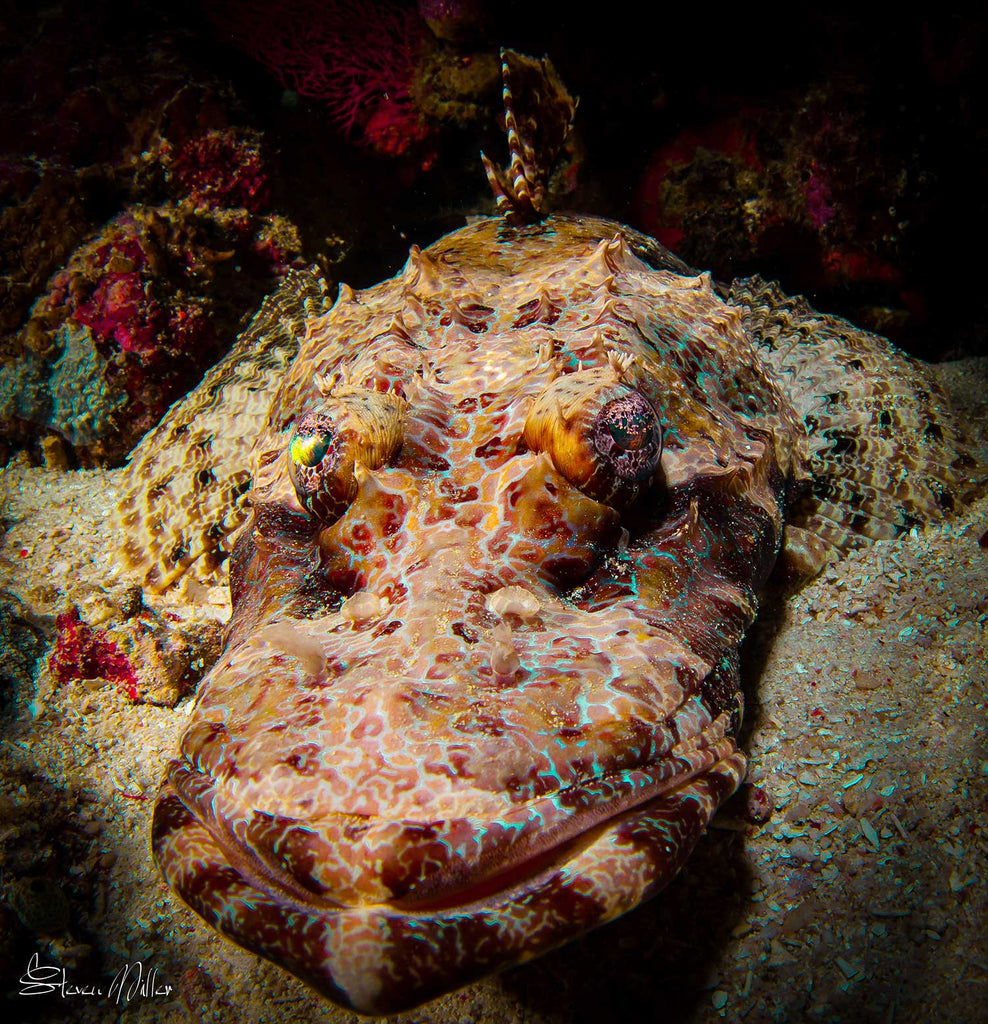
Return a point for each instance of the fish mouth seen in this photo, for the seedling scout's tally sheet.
(598, 805)
(394, 955)
(487, 847)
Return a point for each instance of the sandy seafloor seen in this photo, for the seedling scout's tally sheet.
(862, 897)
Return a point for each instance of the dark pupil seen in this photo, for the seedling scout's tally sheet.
(629, 433)
(629, 422)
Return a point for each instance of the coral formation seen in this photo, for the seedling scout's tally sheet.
(220, 168)
(84, 652)
(137, 225)
(456, 88)
(359, 59)
(131, 322)
(802, 189)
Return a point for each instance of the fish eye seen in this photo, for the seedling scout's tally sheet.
(353, 425)
(318, 464)
(626, 431)
(602, 435)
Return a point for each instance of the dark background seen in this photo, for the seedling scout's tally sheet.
(901, 96)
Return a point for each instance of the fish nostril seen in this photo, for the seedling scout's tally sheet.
(513, 600)
(465, 632)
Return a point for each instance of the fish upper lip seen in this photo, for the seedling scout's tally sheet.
(474, 836)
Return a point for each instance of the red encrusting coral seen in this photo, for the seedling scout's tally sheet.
(728, 138)
(222, 168)
(83, 652)
(357, 58)
(152, 288)
(119, 311)
(799, 190)
(138, 216)
(390, 131)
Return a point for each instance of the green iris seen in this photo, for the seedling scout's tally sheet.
(309, 450)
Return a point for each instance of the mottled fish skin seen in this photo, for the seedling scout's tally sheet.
(510, 515)
(482, 711)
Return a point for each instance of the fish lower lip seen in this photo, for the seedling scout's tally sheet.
(508, 879)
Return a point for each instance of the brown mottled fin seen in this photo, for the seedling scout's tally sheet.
(885, 453)
(538, 115)
(184, 489)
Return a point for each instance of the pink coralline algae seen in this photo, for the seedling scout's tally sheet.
(83, 652)
(121, 311)
(819, 200)
(140, 310)
(662, 214)
(390, 131)
(136, 228)
(801, 188)
(359, 59)
(220, 168)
